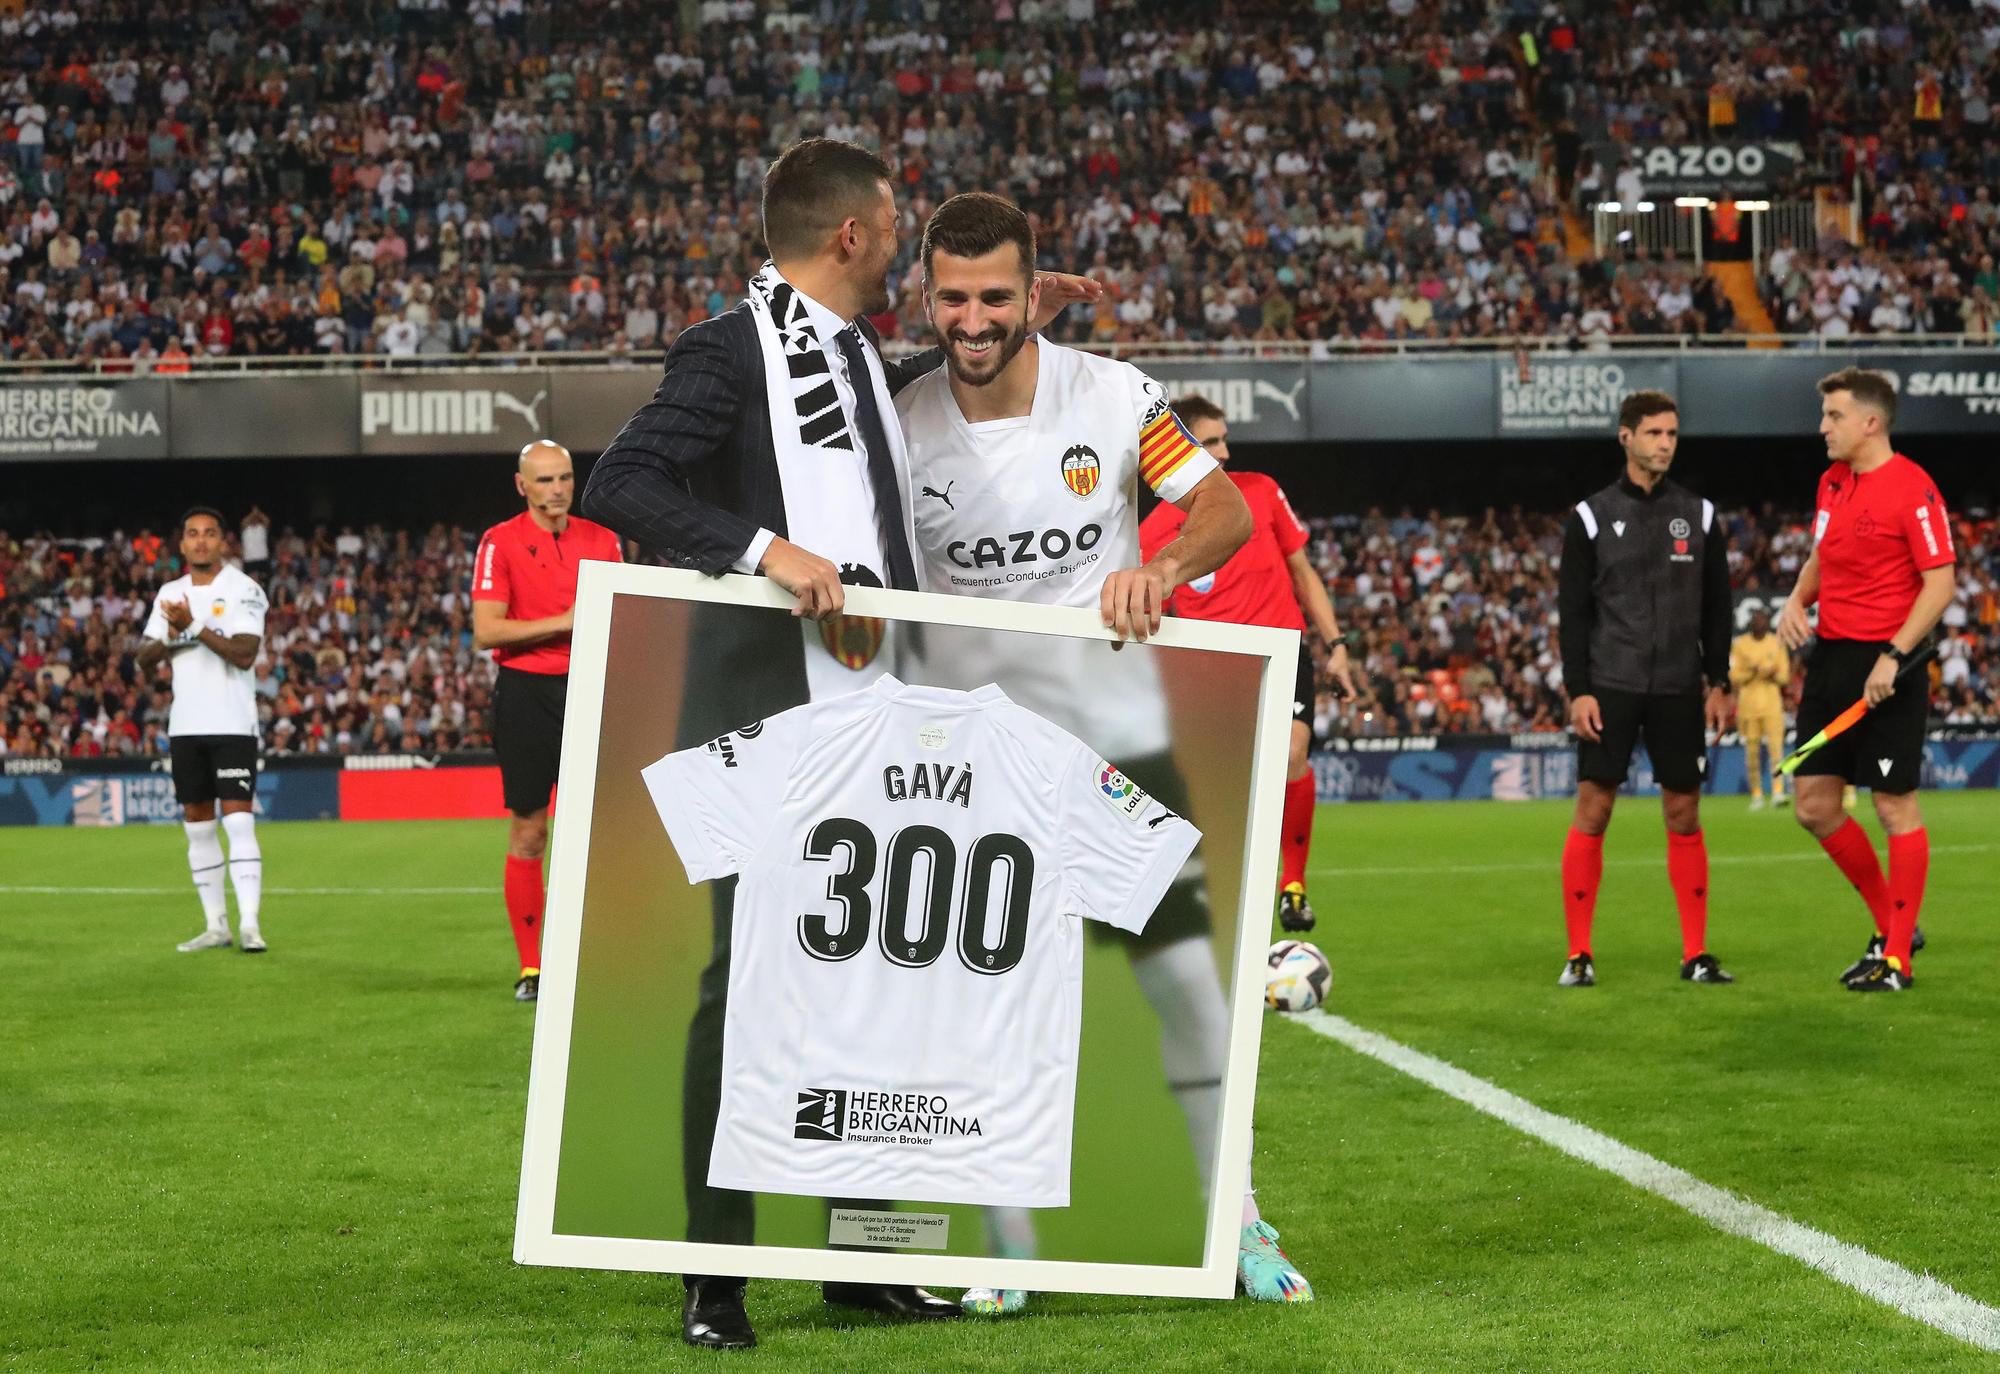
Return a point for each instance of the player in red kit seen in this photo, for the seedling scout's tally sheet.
(1269, 581)
(1881, 571)
(523, 604)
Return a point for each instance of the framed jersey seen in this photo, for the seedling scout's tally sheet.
(833, 979)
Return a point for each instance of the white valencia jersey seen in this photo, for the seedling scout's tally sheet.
(905, 979)
(1041, 509)
(210, 696)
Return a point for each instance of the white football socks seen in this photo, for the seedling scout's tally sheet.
(1010, 1232)
(1251, 1216)
(1185, 992)
(246, 867)
(205, 867)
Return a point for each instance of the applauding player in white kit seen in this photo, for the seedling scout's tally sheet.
(1025, 459)
(210, 620)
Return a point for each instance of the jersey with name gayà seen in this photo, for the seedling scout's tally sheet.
(1042, 508)
(211, 695)
(905, 982)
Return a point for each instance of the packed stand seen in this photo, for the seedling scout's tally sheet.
(423, 178)
(1452, 620)
(368, 642)
(1896, 100)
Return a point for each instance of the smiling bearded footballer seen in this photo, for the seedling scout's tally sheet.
(1025, 458)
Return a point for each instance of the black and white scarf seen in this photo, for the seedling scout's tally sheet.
(822, 462)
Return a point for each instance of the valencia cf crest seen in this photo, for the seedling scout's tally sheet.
(1080, 470)
(853, 640)
(217, 607)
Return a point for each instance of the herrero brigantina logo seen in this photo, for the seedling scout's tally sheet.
(878, 1118)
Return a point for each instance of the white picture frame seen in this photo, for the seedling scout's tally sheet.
(536, 1240)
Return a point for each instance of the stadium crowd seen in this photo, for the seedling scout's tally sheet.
(1895, 99)
(368, 643)
(425, 177)
(1453, 619)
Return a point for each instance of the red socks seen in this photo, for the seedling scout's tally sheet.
(1583, 869)
(1851, 852)
(523, 889)
(1909, 866)
(1300, 796)
(1687, 870)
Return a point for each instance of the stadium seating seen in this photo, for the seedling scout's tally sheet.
(236, 179)
(1859, 91)
(367, 647)
(1451, 620)
(368, 644)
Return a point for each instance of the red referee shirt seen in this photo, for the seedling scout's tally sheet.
(1255, 586)
(532, 572)
(1876, 533)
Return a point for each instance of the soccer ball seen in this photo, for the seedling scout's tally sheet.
(1297, 976)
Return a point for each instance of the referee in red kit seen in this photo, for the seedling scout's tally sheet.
(1881, 572)
(1269, 581)
(523, 604)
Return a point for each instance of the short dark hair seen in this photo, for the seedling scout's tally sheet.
(975, 223)
(1640, 406)
(815, 186)
(210, 511)
(1193, 407)
(1869, 388)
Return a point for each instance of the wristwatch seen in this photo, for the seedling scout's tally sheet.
(1900, 655)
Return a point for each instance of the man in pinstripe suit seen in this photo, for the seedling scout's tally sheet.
(698, 476)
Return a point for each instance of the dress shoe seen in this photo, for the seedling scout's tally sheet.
(713, 1316)
(890, 1299)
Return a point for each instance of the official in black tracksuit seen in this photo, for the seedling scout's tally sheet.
(1645, 618)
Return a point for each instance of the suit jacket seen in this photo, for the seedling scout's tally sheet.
(693, 476)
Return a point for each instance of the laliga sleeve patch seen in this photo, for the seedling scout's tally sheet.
(1125, 797)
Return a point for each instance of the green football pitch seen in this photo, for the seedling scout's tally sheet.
(309, 1160)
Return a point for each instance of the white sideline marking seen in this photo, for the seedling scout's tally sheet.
(54, 891)
(1548, 865)
(1914, 1295)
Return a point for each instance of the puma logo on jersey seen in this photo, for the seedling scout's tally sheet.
(944, 496)
(1028, 546)
(944, 782)
(1161, 819)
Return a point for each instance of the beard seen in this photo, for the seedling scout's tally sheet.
(876, 299)
(983, 371)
